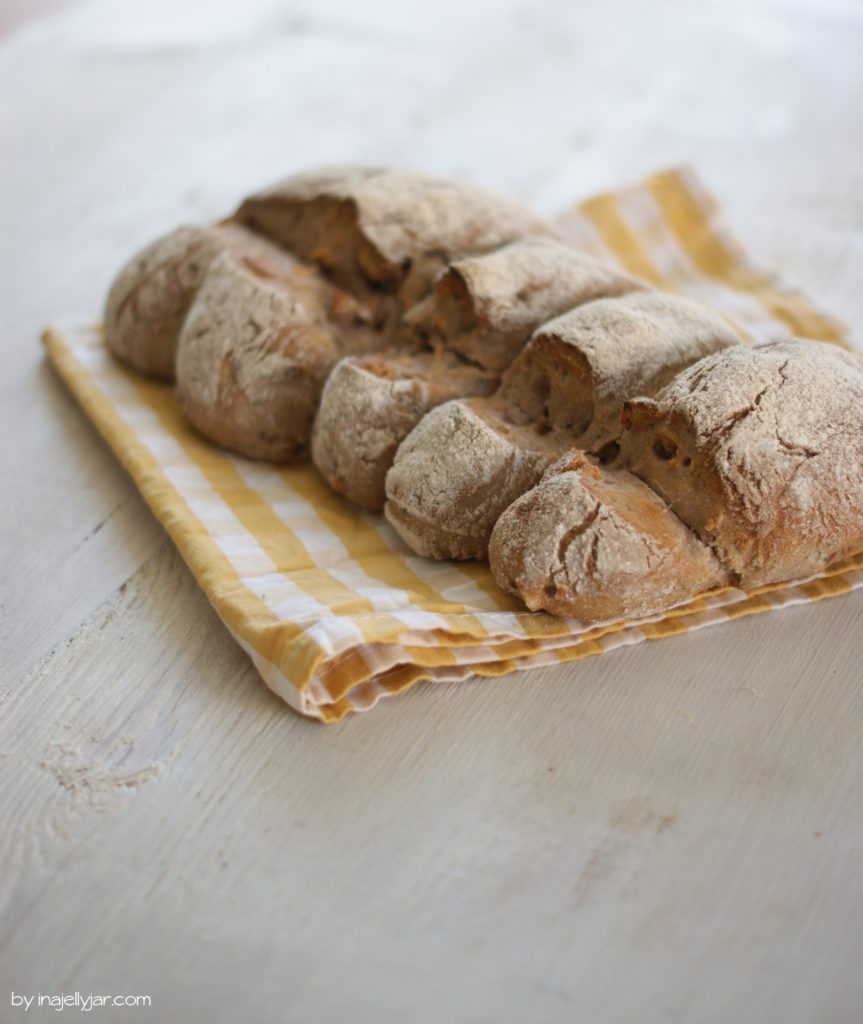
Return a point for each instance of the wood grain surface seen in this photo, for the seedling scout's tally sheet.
(672, 832)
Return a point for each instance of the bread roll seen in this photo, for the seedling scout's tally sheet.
(254, 353)
(486, 307)
(760, 451)
(466, 461)
(150, 297)
(371, 403)
(390, 231)
(595, 544)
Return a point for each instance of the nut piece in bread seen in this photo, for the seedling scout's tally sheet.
(595, 544)
(479, 315)
(467, 461)
(760, 451)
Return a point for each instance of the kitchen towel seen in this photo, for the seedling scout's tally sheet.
(332, 608)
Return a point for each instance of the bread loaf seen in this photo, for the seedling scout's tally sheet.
(466, 461)
(747, 468)
(479, 315)
(475, 371)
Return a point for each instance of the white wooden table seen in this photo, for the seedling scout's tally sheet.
(672, 832)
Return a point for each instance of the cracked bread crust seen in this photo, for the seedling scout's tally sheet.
(760, 451)
(597, 544)
(150, 297)
(253, 355)
(391, 229)
(467, 461)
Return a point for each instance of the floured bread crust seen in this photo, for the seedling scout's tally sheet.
(151, 296)
(486, 307)
(371, 403)
(760, 451)
(467, 461)
(479, 315)
(597, 544)
(253, 356)
(614, 349)
(372, 238)
(747, 469)
(453, 476)
(394, 230)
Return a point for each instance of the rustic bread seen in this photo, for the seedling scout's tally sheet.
(746, 469)
(356, 245)
(597, 543)
(477, 318)
(466, 461)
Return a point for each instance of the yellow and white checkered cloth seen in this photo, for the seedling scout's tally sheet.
(334, 611)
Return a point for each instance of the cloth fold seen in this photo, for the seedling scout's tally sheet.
(332, 608)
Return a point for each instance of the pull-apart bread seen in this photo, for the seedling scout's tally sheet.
(252, 313)
(467, 460)
(746, 469)
(612, 450)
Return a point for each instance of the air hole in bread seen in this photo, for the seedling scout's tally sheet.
(608, 452)
(664, 447)
(550, 590)
(687, 462)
